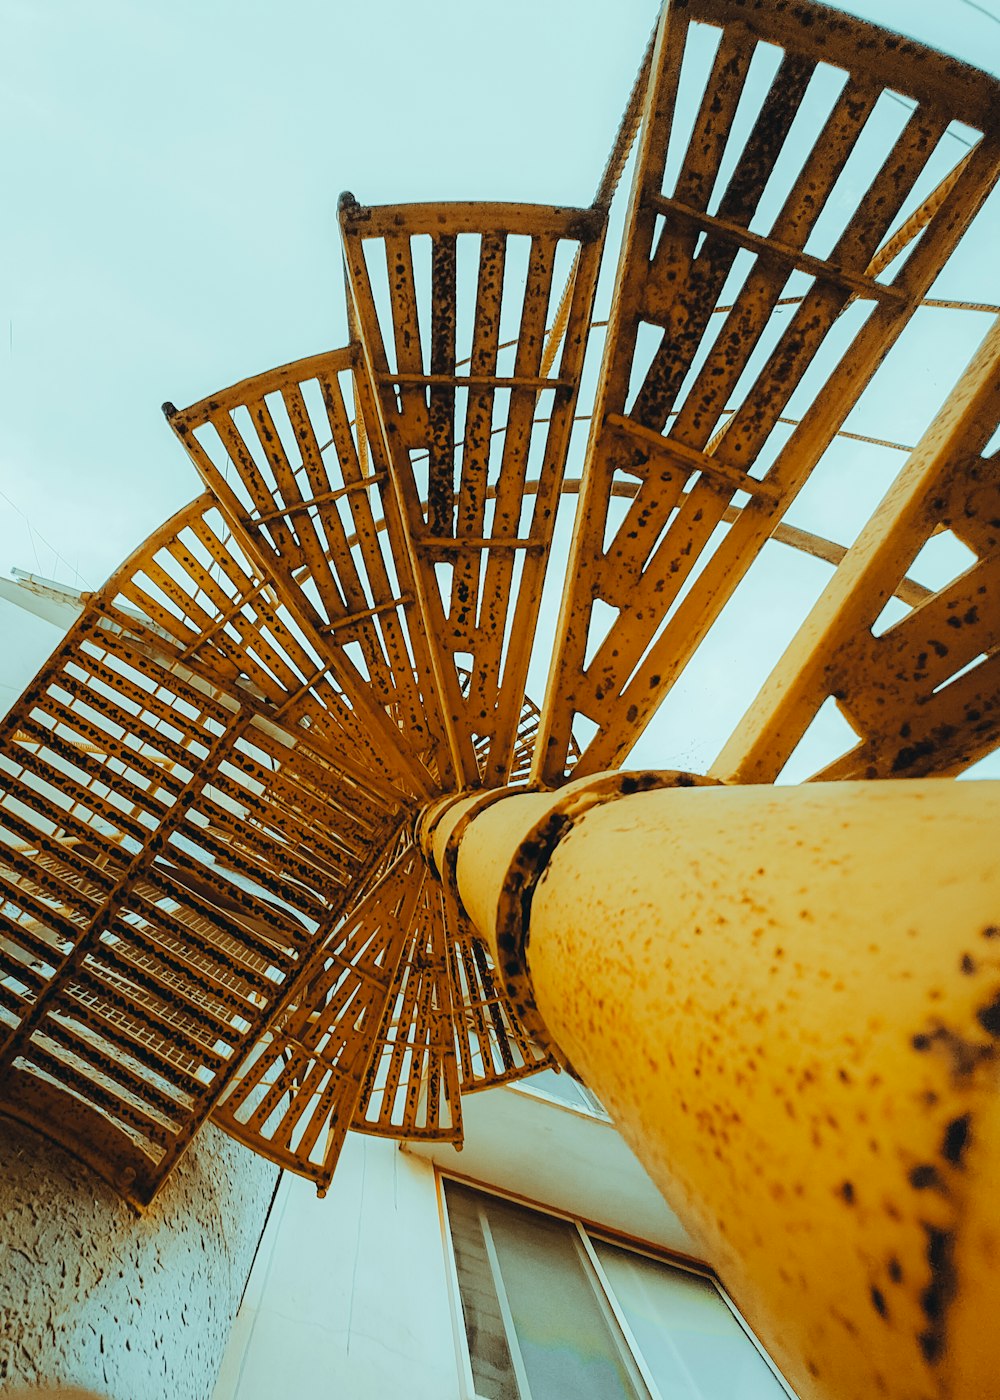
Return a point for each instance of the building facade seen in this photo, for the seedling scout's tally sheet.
(539, 1263)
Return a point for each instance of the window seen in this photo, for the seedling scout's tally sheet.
(561, 1087)
(552, 1312)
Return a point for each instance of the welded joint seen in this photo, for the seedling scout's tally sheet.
(427, 821)
(530, 866)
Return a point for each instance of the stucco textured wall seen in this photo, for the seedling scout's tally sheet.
(93, 1295)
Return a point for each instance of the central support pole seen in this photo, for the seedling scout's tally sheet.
(789, 999)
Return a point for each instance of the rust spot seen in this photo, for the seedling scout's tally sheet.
(935, 1298)
(965, 1054)
(924, 1176)
(989, 1017)
(908, 756)
(956, 1139)
(878, 1301)
(930, 1345)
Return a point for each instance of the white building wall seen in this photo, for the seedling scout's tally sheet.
(348, 1298)
(551, 1155)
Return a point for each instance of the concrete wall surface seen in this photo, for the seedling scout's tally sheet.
(130, 1307)
(348, 1298)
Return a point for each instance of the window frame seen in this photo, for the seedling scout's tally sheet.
(585, 1233)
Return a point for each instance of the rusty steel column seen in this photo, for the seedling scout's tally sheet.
(789, 999)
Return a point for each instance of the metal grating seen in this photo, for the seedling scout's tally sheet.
(212, 903)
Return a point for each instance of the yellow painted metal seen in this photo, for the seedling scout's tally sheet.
(674, 392)
(210, 902)
(923, 694)
(789, 999)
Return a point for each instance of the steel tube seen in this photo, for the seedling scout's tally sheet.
(789, 1000)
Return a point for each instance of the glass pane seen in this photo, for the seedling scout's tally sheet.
(564, 1087)
(558, 1086)
(694, 1347)
(492, 1370)
(564, 1333)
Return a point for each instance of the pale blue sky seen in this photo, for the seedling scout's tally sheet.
(171, 174)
